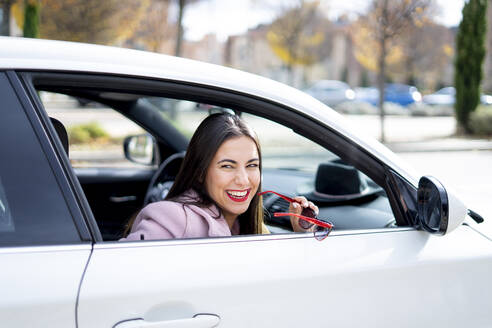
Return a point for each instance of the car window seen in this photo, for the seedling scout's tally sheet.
(95, 132)
(33, 210)
(292, 165)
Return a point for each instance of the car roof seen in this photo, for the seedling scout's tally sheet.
(38, 54)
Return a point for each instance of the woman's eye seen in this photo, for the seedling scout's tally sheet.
(253, 165)
(226, 166)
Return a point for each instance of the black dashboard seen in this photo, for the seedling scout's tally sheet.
(371, 211)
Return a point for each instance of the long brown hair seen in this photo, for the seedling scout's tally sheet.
(208, 137)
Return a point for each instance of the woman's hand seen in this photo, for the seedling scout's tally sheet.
(296, 208)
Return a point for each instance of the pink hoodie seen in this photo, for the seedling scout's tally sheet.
(169, 219)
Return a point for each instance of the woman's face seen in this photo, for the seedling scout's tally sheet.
(233, 176)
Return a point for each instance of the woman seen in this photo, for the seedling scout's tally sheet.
(216, 190)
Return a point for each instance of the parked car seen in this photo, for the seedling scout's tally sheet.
(443, 97)
(446, 97)
(367, 94)
(402, 94)
(331, 92)
(397, 93)
(405, 251)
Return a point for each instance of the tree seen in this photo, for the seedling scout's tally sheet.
(179, 25)
(470, 53)
(427, 52)
(179, 32)
(487, 76)
(92, 21)
(380, 29)
(31, 19)
(155, 29)
(6, 6)
(297, 36)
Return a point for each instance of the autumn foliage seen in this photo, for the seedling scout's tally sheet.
(92, 21)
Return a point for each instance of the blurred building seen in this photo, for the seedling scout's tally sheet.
(251, 52)
(341, 63)
(209, 49)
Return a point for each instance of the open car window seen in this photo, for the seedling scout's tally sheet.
(292, 164)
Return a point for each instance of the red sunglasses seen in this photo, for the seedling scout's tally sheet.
(307, 216)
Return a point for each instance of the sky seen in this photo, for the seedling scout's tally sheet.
(231, 17)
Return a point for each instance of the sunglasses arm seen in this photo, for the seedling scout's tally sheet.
(315, 221)
(290, 200)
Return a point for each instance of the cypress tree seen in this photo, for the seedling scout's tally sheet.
(31, 19)
(470, 53)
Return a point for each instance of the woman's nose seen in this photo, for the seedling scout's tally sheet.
(241, 177)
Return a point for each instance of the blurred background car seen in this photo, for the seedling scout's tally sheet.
(398, 93)
(331, 92)
(402, 94)
(446, 97)
(367, 94)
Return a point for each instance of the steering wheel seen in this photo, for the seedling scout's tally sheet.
(163, 178)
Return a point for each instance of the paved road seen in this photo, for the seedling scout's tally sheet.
(404, 128)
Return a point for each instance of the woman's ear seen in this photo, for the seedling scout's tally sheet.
(201, 179)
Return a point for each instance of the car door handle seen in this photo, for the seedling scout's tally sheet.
(201, 320)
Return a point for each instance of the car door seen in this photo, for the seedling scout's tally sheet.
(44, 244)
(393, 276)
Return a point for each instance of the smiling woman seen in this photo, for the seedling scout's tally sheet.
(216, 190)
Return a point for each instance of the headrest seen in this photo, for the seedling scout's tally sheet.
(62, 133)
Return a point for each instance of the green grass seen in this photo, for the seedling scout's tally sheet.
(87, 133)
(481, 121)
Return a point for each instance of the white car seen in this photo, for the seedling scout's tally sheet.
(331, 92)
(404, 252)
(446, 97)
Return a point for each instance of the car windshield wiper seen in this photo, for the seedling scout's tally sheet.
(475, 216)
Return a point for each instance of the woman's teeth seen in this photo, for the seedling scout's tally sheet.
(237, 194)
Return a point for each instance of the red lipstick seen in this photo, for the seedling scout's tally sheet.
(237, 199)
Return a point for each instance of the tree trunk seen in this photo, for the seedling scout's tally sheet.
(381, 80)
(179, 35)
(5, 28)
(290, 74)
(382, 67)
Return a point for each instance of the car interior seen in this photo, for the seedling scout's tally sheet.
(146, 127)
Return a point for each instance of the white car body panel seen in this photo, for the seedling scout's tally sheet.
(39, 285)
(19, 53)
(404, 278)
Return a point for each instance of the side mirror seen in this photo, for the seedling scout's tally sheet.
(439, 211)
(140, 149)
